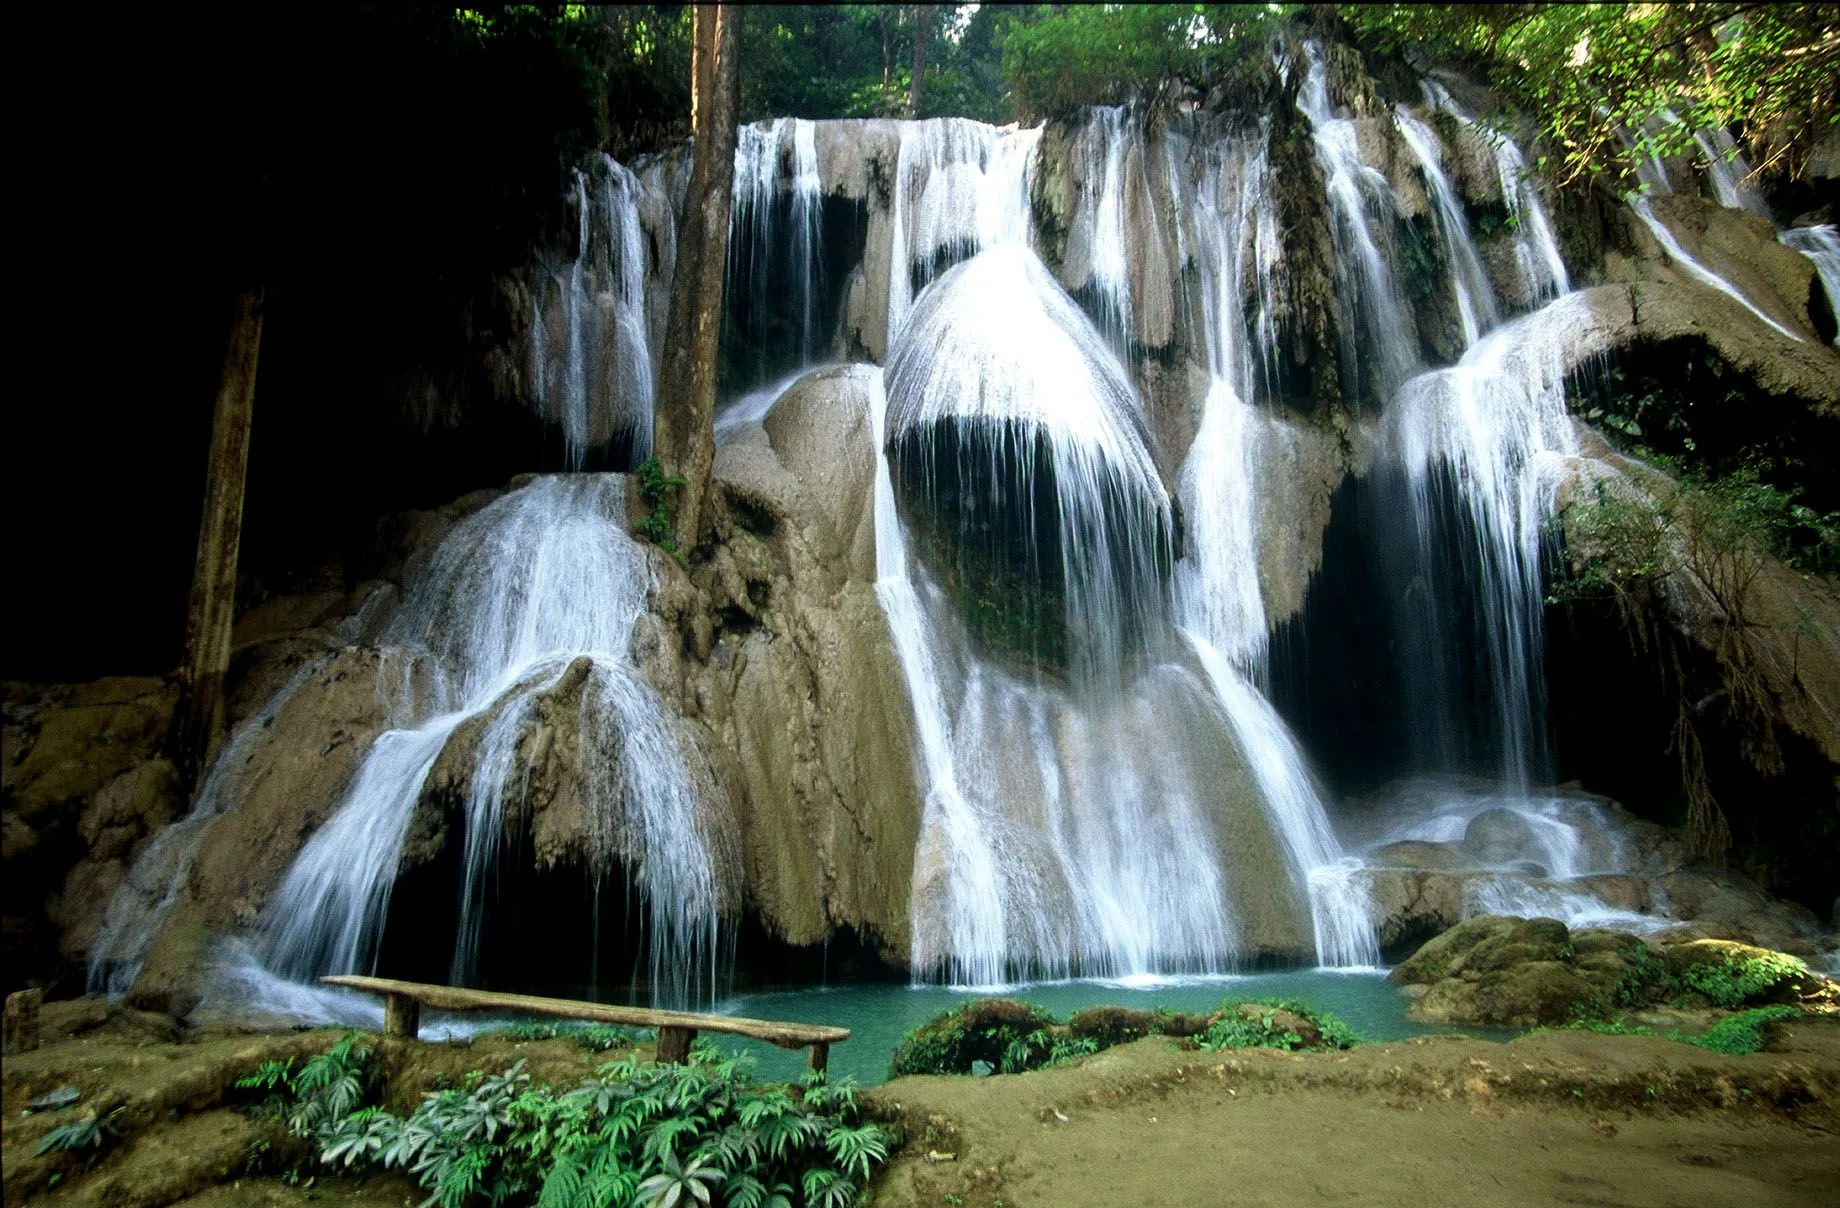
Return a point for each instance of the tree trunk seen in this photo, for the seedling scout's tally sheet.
(923, 21)
(684, 432)
(212, 610)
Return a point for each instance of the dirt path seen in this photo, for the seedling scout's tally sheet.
(1568, 1118)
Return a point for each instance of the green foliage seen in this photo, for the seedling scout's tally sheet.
(1000, 1035)
(1619, 1026)
(1739, 1034)
(1100, 54)
(595, 1037)
(637, 1135)
(1041, 1049)
(88, 1136)
(1743, 976)
(1584, 71)
(1266, 1029)
(986, 1031)
(655, 487)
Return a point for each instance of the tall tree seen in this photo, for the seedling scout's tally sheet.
(923, 28)
(684, 431)
(212, 609)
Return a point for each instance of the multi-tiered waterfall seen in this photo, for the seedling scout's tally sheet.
(1084, 451)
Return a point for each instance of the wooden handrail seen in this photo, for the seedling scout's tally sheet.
(402, 1003)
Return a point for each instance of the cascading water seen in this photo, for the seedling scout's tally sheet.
(1536, 248)
(1049, 845)
(591, 348)
(1236, 243)
(1385, 351)
(1476, 307)
(1820, 244)
(536, 592)
(775, 252)
(1729, 173)
(959, 186)
(1686, 260)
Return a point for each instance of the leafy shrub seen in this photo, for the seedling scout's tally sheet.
(595, 1037)
(1741, 1033)
(637, 1135)
(988, 1030)
(1002, 1035)
(1284, 1025)
(655, 487)
(1741, 977)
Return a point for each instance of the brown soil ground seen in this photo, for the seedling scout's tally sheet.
(1555, 1118)
(1570, 1118)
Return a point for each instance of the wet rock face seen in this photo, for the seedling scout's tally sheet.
(84, 788)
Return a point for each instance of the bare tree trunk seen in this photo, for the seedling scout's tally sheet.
(685, 427)
(923, 22)
(212, 610)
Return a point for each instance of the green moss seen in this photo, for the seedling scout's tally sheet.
(1742, 1033)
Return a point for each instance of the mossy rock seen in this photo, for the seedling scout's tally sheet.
(1485, 944)
(1509, 972)
(980, 1031)
(1733, 975)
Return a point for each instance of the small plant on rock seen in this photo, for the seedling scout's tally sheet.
(655, 487)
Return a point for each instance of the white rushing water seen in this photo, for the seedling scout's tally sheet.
(776, 237)
(1536, 248)
(592, 361)
(542, 585)
(1237, 244)
(1685, 259)
(1380, 338)
(1476, 308)
(959, 186)
(1493, 427)
(1820, 244)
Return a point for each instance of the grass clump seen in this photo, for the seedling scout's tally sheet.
(638, 1134)
(1742, 1033)
(996, 1034)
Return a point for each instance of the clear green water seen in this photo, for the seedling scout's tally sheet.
(877, 1015)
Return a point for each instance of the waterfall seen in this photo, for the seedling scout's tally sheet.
(1050, 846)
(1385, 352)
(998, 369)
(591, 348)
(1237, 244)
(1728, 172)
(1475, 298)
(1485, 429)
(538, 590)
(143, 903)
(1685, 259)
(1820, 244)
(1536, 248)
(959, 186)
(776, 248)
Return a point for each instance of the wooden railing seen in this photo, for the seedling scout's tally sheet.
(403, 1002)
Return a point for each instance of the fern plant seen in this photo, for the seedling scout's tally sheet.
(637, 1135)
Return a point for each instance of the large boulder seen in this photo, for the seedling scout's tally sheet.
(1510, 972)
